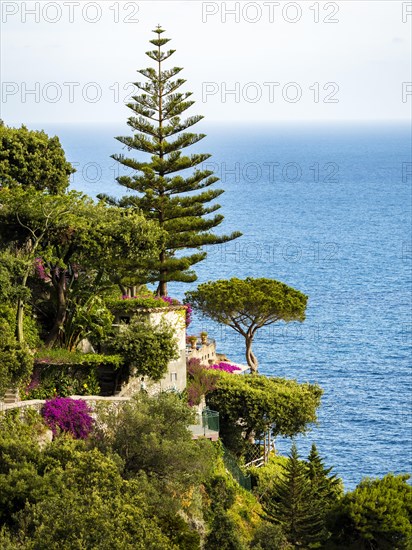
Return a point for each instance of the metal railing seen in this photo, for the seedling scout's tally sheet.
(233, 467)
(210, 420)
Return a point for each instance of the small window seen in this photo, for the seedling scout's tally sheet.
(173, 376)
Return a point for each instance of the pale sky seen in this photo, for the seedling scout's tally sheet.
(283, 61)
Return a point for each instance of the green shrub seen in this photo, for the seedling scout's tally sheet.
(224, 534)
(87, 318)
(151, 435)
(263, 478)
(250, 405)
(16, 362)
(269, 536)
(377, 514)
(147, 348)
(31, 330)
(64, 373)
(221, 492)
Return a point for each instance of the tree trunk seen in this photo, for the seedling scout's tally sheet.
(161, 289)
(162, 286)
(19, 321)
(20, 313)
(250, 356)
(59, 283)
(123, 289)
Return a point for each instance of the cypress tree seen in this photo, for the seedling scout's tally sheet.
(291, 505)
(163, 193)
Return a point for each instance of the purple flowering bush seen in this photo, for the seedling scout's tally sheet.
(168, 300)
(63, 414)
(200, 381)
(226, 367)
(175, 302)
(189, 312)
(40, 269)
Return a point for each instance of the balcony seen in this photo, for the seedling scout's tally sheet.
(205, 352)
(207, 425)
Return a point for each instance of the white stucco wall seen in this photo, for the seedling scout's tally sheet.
(175, 376)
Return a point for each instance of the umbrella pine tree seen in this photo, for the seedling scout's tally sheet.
(181, 203)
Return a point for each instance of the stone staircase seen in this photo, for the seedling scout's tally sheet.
(109, 381)
(11, 396)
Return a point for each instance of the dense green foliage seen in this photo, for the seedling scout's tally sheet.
(376, 515)
(124, 488)
(223, 534)
(269, 536)
(11, 267)
(16, 363)
(162, 189)
(64, 373)
(151, 435)
(251, 405)
(71, 250)
(147, 348)
(248, 305)
(32, 158)
(72, 497)
(31, 328)
(140, 481)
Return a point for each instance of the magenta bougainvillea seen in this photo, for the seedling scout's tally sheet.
(200, 381)
(226, 367)
(189, 311)
(40, 269)
(175, 302)
(63, 414)
(169, 300)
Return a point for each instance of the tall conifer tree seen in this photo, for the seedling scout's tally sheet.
(163, 193)
(326, 487)
(291, 505)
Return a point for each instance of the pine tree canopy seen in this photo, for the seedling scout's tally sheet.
(179, 203)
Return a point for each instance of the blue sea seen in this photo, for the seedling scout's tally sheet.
(327, 210)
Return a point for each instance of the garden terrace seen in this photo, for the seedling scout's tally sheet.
(64, 373)
(206, 422)
(206, 352)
